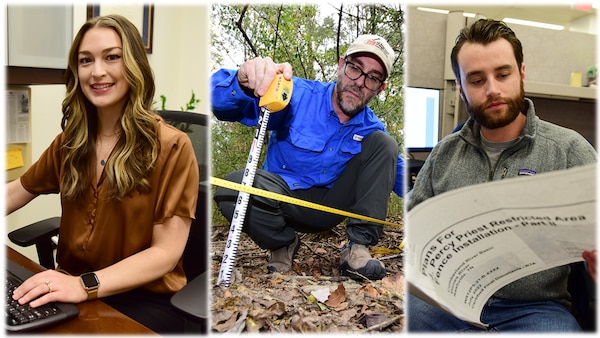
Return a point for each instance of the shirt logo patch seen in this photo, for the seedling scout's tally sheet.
(357, 137)
(526, 172)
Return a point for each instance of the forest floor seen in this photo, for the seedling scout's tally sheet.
(312, 298)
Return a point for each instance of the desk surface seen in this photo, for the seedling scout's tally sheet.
(94, 316)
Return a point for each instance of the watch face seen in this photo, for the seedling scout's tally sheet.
(89, 280)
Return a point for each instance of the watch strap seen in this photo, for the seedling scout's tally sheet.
(92, 290)
(92, 293)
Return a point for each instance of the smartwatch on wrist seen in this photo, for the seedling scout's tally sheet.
(90, 284)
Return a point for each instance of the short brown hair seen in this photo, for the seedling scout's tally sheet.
(484, 31)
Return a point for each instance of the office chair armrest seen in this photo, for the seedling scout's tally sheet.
(34, 233)
(582, 288)
(192, 299)
(40, 234)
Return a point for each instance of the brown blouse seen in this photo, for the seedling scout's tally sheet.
(103, 232)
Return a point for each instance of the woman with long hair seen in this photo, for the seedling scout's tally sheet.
(128, 184)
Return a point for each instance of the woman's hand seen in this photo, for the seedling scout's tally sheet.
(168, 243)
(50, 286)
(590, 260)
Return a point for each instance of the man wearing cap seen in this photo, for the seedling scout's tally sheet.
(326, 147)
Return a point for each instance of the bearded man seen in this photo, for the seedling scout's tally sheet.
(327, 147)
(503, 138)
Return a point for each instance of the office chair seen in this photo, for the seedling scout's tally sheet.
(192, 301)
(582, 288)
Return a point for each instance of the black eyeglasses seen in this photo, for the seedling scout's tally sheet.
(354, 73)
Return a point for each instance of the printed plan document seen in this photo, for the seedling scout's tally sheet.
(464, 245)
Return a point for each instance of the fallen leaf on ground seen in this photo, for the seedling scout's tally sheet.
(394, 282)
(337, 297)
(321, 294)
(276, 280)
(369, 290)
(280, 303)
(227, 325)
(321, 251)
(372, 319)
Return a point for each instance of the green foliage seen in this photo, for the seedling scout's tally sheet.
(312, 42)
(163, 102)
(189, 106)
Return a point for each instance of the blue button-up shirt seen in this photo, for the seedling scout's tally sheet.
(399, 185)
(308, 147)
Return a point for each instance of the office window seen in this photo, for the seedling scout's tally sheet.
(421, 117)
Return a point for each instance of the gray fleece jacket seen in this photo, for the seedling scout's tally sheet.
(459, 160)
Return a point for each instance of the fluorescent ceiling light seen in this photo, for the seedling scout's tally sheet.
(433, 10)
(443, 11)
(534, 24)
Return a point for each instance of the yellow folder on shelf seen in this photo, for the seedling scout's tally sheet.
(14, 158)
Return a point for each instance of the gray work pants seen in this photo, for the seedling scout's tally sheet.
(363, 188)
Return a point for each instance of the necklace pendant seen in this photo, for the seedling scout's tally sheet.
(102, 162)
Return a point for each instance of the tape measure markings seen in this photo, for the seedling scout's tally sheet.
(239, 213)
(288, 199)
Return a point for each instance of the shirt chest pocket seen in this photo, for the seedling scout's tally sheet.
(319, 143)
(351, 144)
(306, 141)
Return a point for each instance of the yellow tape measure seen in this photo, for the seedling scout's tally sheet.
(283, 198)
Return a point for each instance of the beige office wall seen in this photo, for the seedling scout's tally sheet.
(180, 54)
(180, 63)
(425, 48)
(549, 56)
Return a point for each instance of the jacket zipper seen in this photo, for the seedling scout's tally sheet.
(493, 170)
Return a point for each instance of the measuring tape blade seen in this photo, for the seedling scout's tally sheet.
(292, 200)
(239, 213)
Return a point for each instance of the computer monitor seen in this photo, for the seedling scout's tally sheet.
(421, 117)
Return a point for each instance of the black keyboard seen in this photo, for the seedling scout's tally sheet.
(24, 317)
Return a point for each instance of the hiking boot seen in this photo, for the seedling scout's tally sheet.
(356, 262)
(281, 259)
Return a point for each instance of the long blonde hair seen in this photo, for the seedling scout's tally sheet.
(137, 150)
